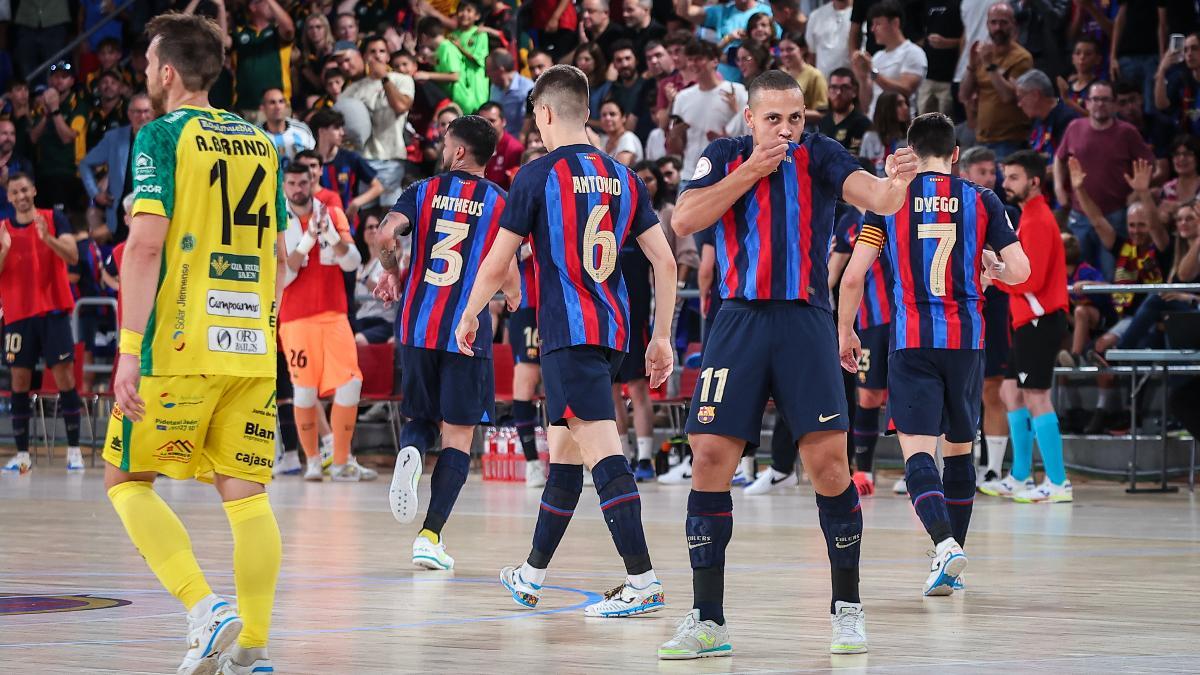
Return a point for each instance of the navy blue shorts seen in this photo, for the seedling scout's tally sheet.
(995, 332)
(636, 268)
(757, 350)
(46, 337)
(439, 386)
(936, 391)
(523, 334)
(375, 329)
(578, 382)
(283, 379)
(872, 366)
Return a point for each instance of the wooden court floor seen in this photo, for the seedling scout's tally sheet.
(1109, 584)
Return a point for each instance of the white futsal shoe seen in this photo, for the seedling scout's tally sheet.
(20, 464)
(524, 593)
(288, 464)
(535, 475)
(849, 628)
(696, 639)
(768, 481)
(213, 626)
(75, 461)
(1048, 492)
(431, 556)
(680, 474)
(403, 494)
(256, 660)
(365, 473)
(345, 473)
(313, 471)
(628, 600)
(1006, 487)
(900, 487)
(949, 561)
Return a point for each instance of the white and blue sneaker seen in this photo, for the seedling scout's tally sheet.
(958, 584)
(629, 600)
(213, 626)
(20, 465)
(696, 639)
(949, 561)
(75, 461)
(403, 494)
(431, 556)
(288, 464)
(241, 661)
(524, 593)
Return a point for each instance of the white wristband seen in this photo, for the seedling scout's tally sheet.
(307, 242)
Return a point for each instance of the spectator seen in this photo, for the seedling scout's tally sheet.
(615, 141)
(759, 28)
(16, 107)
(724, 22)
(290, 135)
(899, 66)
(507, 157)
(345, 28)
(793, 51)
(941, 29)
(58, 132)
(42, 28)
(310, 159)
(671, 168)
(1137, 42)
(860, 23)
(1185, 186)
(349, 60)
(449, 66)
(538, 63)
(114, 152)
(644, 28)
(1108, 147)
(596, 26)
(845, 123)
(1085, 62)
(333, 83)
(974, 15)
(109, 55)
(262, 47)
(343, 171)
(509, 88)
(316, 47)
(388, 96)
(1050, 115)
(108, 111)
(11, 163)
(1156, 130)
(826, 33)
(374, 320)
(589, 58)
(427, 96)
(668, 79)
(1088, 312)
(1040, 29)
(788, 16)
(473, 45)
(993, 69)
(754, 59)
(553, 26)
(889, 132)
(634, 94)
(496, 22)
(707, 110)
(1176, 83)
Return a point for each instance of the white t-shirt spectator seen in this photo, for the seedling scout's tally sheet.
(706, 111)
(974, 19)
(627, 142)
(905, 59)
(387, 128)
(826, 36)
(656, 144)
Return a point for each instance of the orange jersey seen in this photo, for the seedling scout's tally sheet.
(319, 286)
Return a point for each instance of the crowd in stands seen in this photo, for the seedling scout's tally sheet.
(1108, 91)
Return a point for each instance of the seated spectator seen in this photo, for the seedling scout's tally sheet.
(496, 23)
(1089, 313)
(591, 60)
(507, 157)
(888, 133)
(793, 54)
(508, 88)
(599, 28)
(845, 122)
(899, 66)
(374, 320)
(671, 168)
(615, 141)
(1185, 186)
(18, 109)
(345, 28)
(753, 59)
(1086, 61)
(333, 82)
(1050, 115)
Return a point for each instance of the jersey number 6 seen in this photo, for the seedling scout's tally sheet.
(946, 235)
(593, 236)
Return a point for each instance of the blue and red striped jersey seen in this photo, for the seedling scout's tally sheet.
(934, 244)
(454, 218)
(347, 174)
(773, 243)
(528, 282)
(578, 205)
(876, 307)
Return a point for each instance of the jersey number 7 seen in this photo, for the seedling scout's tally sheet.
(946, 234)
(241, 215)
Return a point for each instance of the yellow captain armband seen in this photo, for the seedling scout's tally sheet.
(871, 236)
(131, 342)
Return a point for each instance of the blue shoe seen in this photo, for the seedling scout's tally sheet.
(740, 480)
(524, 593)
(958, 584)
(948, 563)
(644, 471)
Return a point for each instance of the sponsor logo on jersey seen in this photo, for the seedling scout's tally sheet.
(161, 424)
(181, 307)
(143, 167)
(169, 400)
(256, 430)
(175, 451)
(234, 303)
(115, 444)
(236, 128)
(254, 460)
(187, 243)
(706, 414)
(233, 267)
(236, 340)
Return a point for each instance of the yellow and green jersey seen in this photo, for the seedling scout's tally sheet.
(217, 179)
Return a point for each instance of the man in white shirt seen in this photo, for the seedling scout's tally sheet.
(388, 96)
(975, 29)
(289, 134)
(709, 109)
(826, 35)
(900, 66)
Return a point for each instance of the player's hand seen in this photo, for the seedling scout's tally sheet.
(5, 237)
(660, 361)
(43, 230)
(464, 333)
(125, 387)
(991, 264)
(512, 298)
(1139, 181)
(901, 167)
(766, 157)
(388, 288)
(1078, 175)
(850, 350)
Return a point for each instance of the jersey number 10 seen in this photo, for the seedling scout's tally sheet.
(241, 215)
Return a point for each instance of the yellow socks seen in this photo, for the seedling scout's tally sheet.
(430, 535)
(161, 539)
(341, 421)
(256, 556)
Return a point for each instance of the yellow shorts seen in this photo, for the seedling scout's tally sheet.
(197, 425)
(321, 352)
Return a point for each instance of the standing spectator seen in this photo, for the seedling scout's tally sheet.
(58, 131)
(109, 55)
(899, 66)
(1138, 40)
(635, 95)
(1156, 130)
(108, 111)
(792, 52)
(623, 146)
(509, 88)
(788, 16)
(1086, 59)
(826, 33)
(889, 132)
(11, 163)
(449, 66)
(472, 43)
(1176, 83)
(671, 168)
(705, 110)
(860, 24)
(724, 22)
(754, 59)
(387, 96)
(263, 48)
(596, 25)
(343, 171)
(427, 96)
(115, 152)
(16, 107)
(644, 28)
(994, 67)
(1041, 27)
(669, 79)
(290, 135)
(590, 59)
(507, 158)
(316, 46)
(42, 28)
(845, 123)
(553, 27)
(1049, 114)
(941, 28)
(1108, 147)
(974, 15)
(345, 28)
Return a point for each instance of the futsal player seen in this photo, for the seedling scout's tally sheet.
(579, 205)
(452, 218)
(772, 197)
(632, 375)
(527, 368)
(195, 384)
(935, 247)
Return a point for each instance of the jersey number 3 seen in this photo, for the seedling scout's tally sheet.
(946, 234)
(444, 249)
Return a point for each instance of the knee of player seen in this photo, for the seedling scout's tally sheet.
(348, 393)
(872, 398)
(304, 397)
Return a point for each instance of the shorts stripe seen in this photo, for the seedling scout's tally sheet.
(126, 435)
(621, 499)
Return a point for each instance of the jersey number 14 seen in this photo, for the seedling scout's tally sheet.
(240, 215)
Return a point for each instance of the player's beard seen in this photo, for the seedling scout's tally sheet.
(158, 100)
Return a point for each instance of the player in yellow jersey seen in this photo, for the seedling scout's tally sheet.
(195, 382)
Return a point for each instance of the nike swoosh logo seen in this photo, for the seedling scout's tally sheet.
(706, 543)
(841, 545)
(826, 418)
(775, 481)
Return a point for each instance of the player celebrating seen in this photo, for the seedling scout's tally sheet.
(579, 205)
(772, 197)
(36, 246)
(313, 325)
(195, 384)
(453, 218)
(935, 247)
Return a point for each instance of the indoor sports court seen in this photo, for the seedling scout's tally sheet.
(1108, 584)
